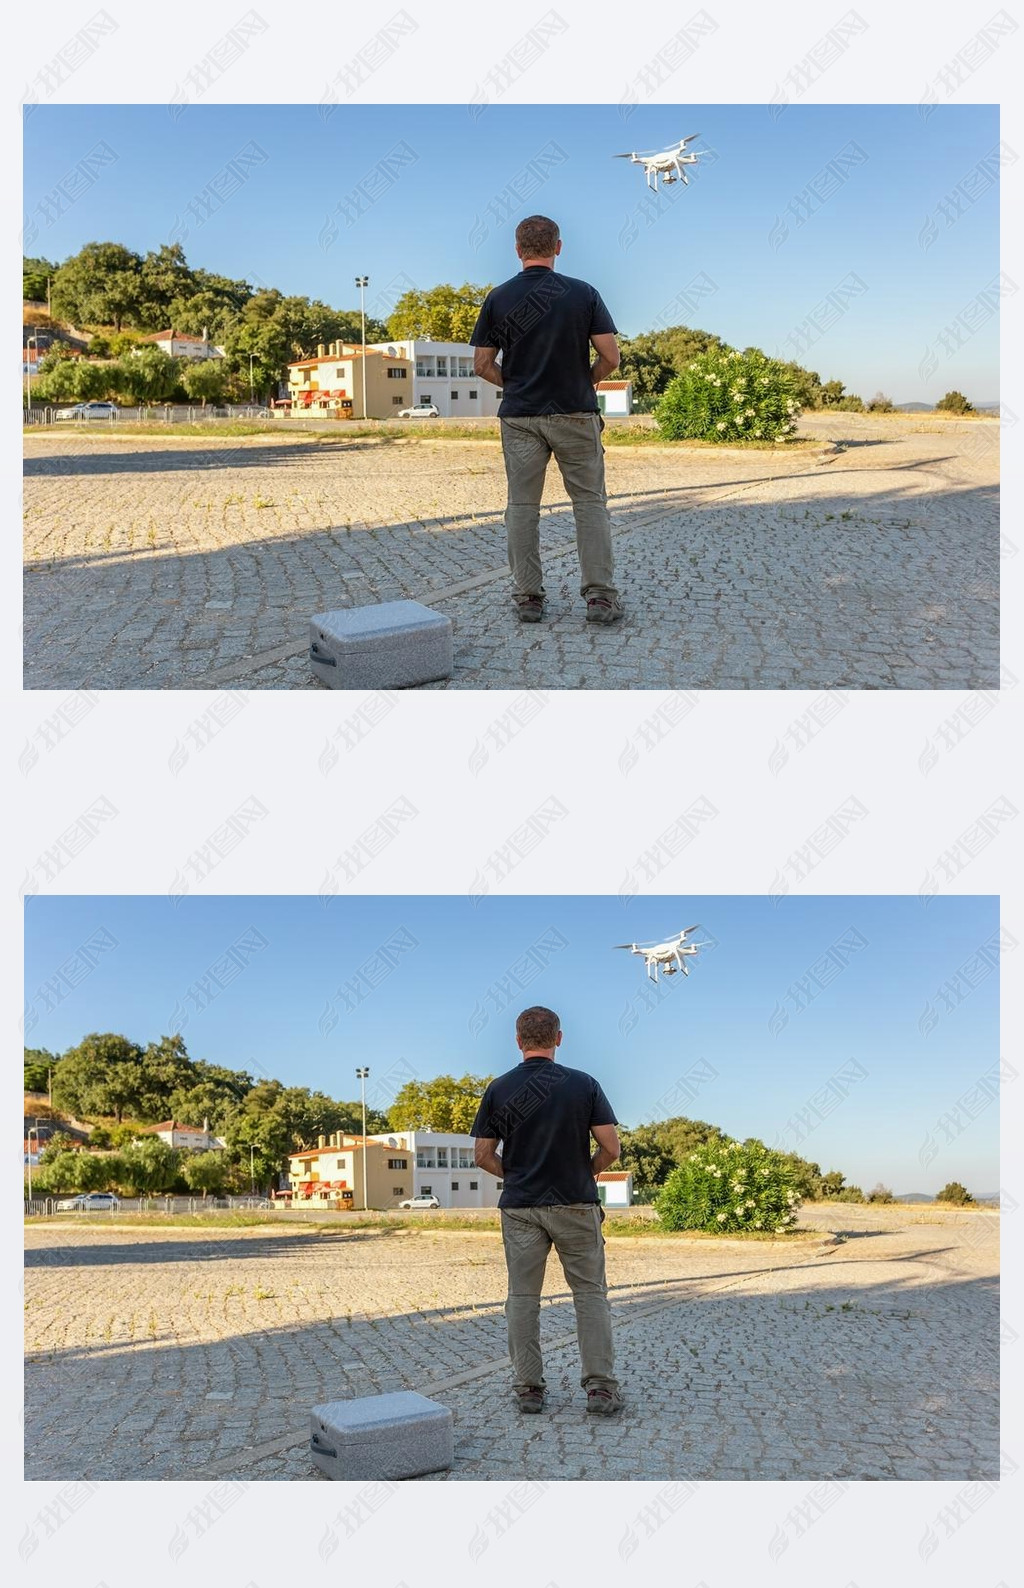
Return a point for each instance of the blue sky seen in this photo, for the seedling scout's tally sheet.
(817, 1022)
(772, 266)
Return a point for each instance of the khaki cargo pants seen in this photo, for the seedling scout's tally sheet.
(575, 440)
(574, 1229)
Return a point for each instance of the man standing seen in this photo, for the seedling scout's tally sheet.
(544, 326)
(544, 1115)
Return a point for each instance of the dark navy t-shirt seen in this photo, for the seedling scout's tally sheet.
(542, 1112)
(542, 322)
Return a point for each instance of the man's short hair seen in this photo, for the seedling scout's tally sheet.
(537, 237)
(538, 1028)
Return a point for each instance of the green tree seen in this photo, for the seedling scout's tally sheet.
(147, 1166)
(147, 376)
(954, 402)
(35, 273)
(102, 1075)
(163, 276)
(443, 1104)
(881, 1193)
(644, 1153)
(644, 362)
(59, 1175)
(38, 1064)
(832, 393)
(724, 395)
(205, 381)
(207, 1172)
(954, 1192)
(165, 1068)
(851, 1193)
(60, 1141)
(100, 285)
(210, 1093)
(881, 404)
(832, 1183)
(443, 313)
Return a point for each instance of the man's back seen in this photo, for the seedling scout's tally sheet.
(542, 322)
(542, 1113)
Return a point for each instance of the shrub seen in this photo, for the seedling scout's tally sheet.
(954, 402)
(881, 404)
(881, 1193)
(724, 395)
(850, 1193)
(954, 1192)
(728, 1185)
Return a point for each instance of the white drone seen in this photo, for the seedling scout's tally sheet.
(669, 955)
(668, 163)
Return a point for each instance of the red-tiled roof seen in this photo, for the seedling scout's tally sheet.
(171, 1124)
(613, 385)
(615, 1174)
(175, 336)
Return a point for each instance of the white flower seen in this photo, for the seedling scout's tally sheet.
(721, 1218)
(757, 432)
(750, 413)
(758, 1223)
(780, 1229)
(739, 1208)
(765, 380)
(720, 425)
(750, 1204)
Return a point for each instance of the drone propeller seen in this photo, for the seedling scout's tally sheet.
(625, 945)
(684, 141)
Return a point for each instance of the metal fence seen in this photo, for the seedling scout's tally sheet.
(45, 1206)
(165, 413)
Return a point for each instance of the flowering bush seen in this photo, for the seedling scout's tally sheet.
(723, 395)
(727, 1186)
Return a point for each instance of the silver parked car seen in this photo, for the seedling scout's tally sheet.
(88, 411)
(420, 1202)
(89, 1202)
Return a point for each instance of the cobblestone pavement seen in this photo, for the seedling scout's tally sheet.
(870, 562)
(188, 1354)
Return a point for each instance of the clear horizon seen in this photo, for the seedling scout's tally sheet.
(860, 240)
(860, 1032)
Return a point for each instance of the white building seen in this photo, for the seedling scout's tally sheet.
(176, 344)
(445, 1168)
(615, 397)
(615, 1188)
(191, 1138)
(443, 375)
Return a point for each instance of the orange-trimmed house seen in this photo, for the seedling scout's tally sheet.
(331, 384)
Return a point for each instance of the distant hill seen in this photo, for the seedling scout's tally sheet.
(913, 1196)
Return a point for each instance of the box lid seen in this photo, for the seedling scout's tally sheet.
(381, 616)
(373, 1411)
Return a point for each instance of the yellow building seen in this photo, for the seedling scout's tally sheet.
(332, 383)
(331, 1173)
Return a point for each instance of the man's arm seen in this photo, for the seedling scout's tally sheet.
(607, 1138)
(486, 1156)
(607, 349)
(484, 366)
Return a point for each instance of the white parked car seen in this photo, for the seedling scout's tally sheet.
(88, 411)
(420, 411)
(89, 1202)
(421, 1202)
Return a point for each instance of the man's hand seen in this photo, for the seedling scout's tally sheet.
(607, 1138)
(607, 349)
(485, 1154)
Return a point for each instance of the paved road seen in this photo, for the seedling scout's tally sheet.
(871, 562)
(180, 1354)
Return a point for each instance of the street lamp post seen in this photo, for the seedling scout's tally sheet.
(28, 370)
(251, 398)
(33, 1130)
(252, 1172)
(361, 1076)
(362, 282)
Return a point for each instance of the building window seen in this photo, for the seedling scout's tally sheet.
(465, 367)
(442, 365)
(474, 1185)
(498, 392)
(500, 1183)
(472, 394)
(397, 1163)
(396, 402)
(455, 1185)
(398, 1190)
(424, 1191)
(442, 1157)
(395, 374)
(455, 396)
(465, 1158)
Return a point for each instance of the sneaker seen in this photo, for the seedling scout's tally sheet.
(604, 609)
(530, 609)
(603, 1402)
(531, 1399)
